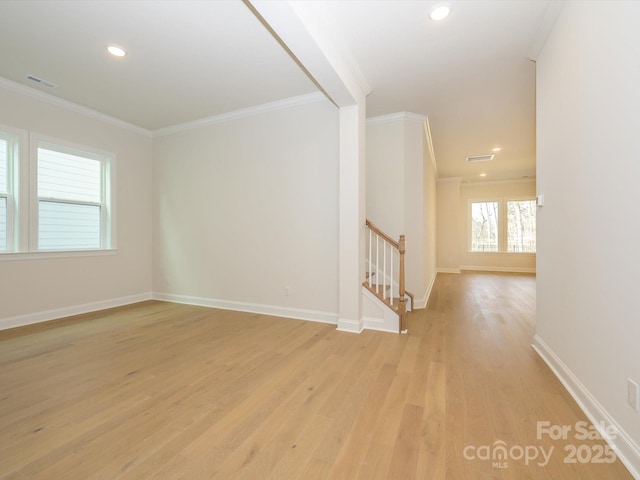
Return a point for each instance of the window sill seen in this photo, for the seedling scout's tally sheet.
(56, 254)
(531, 254)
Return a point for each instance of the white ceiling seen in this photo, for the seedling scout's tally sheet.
(187, 60)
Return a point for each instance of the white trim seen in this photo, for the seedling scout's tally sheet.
(422, 302)
(626, 449)
(480, 268)
(394, 117)
(377, 324)
(47, 315)
(42, 254)
(432, 154)
(448, 270)
(551, 14)
(276, 311)
(378, 316)
(472, 183)
(74, 107)
(242, 113)
(449, 180)
(350, 326)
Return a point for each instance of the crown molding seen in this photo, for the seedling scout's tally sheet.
(395, 117)
(242, 113)
(473, 183)
(66, 104)
(450, 180)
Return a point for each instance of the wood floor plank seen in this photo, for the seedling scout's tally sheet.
(165, 391)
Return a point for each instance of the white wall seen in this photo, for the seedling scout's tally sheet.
(41, 289)
(401, 193)
(385, 174)
(588, 79)
(430, 242)
(448, 225)
(245, 208)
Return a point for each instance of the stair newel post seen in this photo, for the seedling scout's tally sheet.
(402, 307)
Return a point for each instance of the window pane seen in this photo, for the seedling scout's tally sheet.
(68, 177)
(521, 226)
(68, 226)
(3, 224)
(3, 166)
(484, 227)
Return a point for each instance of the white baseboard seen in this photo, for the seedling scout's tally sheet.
(38, 317)
(276, 311)
(351, 326)
(377, 324)
(498, 269)
(626, 449)
(448, 270)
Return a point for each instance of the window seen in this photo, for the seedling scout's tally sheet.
(54, 197)
(8, 153)
(521, 226)
(489, 232)
(4, 194)
(484, 226)
(72, 198)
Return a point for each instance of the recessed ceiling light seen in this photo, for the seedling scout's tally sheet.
(483, 174)
(439, 12)
(116, 51)
(496, 149)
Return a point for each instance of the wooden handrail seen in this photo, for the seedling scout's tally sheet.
(399, 245)
(384, 235)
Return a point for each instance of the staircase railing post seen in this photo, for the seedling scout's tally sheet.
(402, 307)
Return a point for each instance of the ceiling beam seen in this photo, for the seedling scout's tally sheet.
(305, 33)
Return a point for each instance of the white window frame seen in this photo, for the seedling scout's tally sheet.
(16, 195)
(107, 164)
(502, 223)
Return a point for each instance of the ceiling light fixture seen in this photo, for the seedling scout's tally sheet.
(483, 174)
(439, 12)
(116, 51)
(496, 149)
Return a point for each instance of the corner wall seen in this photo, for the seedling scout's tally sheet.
(588, 249)
(38, 289)
(401, 193)
(246, 213)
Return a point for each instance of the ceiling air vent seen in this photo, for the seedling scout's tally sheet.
(480, 158)
(46, 83)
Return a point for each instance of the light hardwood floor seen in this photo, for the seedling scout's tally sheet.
(159, 390)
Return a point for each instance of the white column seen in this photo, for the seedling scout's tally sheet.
(351, 248)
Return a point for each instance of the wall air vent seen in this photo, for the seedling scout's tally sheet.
(46, 83)
(480, 158)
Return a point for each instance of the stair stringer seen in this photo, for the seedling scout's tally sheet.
(378, 316)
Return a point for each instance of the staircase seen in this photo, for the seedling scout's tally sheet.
(384, 284)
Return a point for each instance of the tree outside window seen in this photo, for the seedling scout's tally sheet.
(521, 226)
(490, 232)
(484, 227)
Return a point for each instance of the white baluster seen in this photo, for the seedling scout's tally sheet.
(384, 269)
(370, 266)
(392, 253)
(377, 263)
